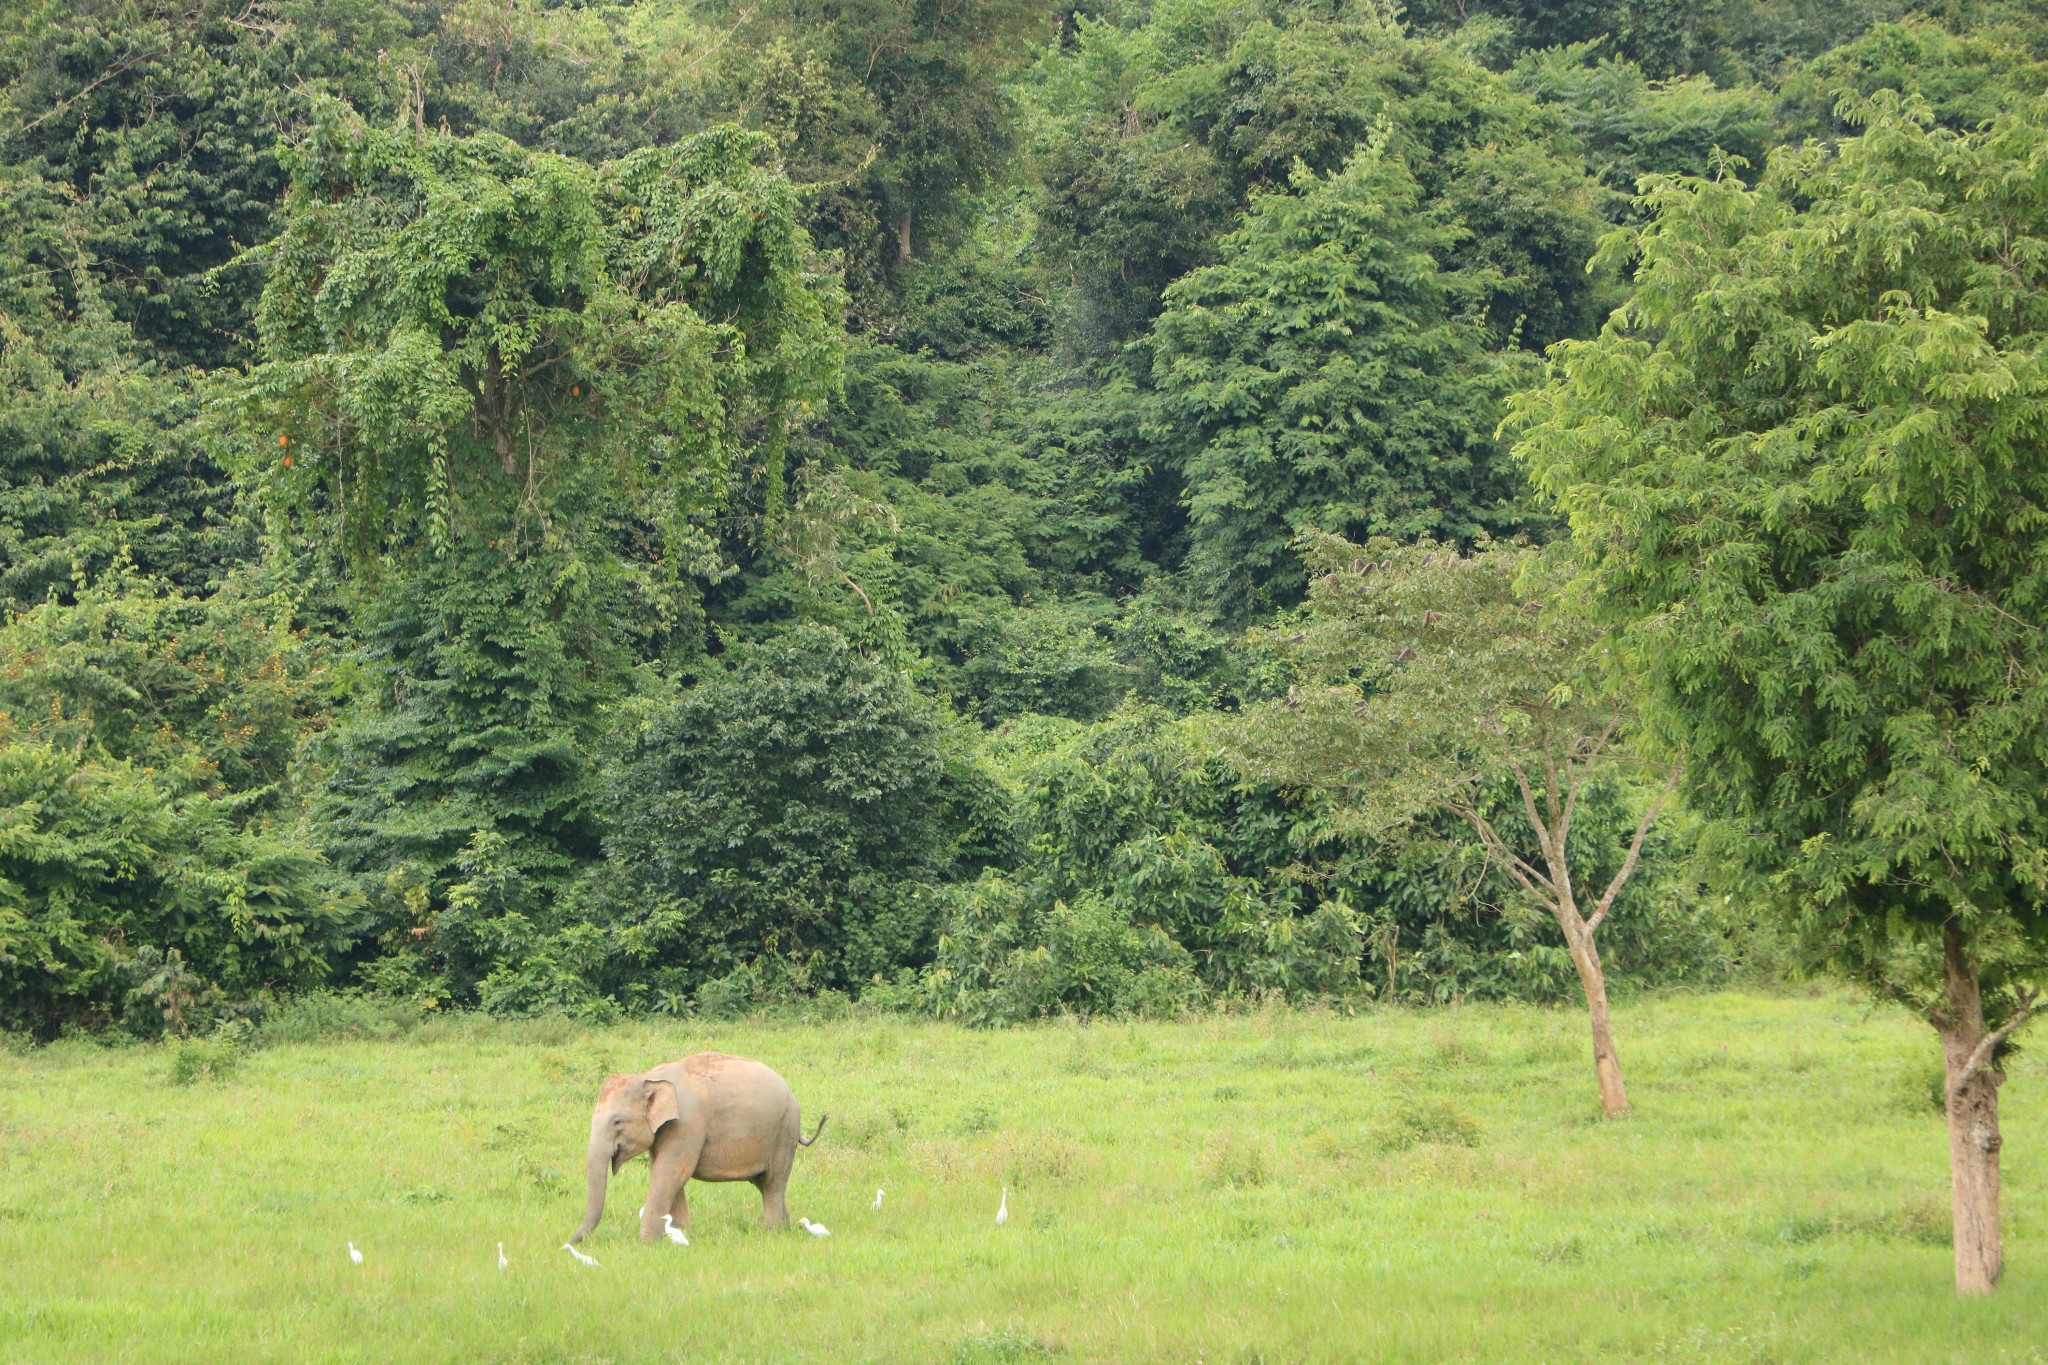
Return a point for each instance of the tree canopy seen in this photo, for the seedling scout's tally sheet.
(1802, 468)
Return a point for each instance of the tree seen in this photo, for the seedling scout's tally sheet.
(145, 837)
(100, 459)
(502, 390)
(1628, 126)
(1805, 479)
(1434, 677)
(460, 335)
(1330, 377)
(796, 807)
(158, 125)
(1152, 133)
(898, 107)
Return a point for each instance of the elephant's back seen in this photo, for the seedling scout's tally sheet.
(749, 1108)
(726, 1071)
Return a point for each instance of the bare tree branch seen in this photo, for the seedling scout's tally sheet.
(1593, 750)
(1529, 808)
(1532, 881)
(857, 588)
(1635, 849)
(1987, 1046)
(1553, 801)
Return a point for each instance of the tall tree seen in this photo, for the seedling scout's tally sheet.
(1438, 678)
(503, 388)
(461, 335)
(1327, 375)
(1808, 497)
(900, 108)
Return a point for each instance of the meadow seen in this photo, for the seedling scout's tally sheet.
(1274, 1186)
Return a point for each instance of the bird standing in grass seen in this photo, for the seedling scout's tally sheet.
(672, 1232)
(1003, 1209)
(354, 1255)
(581, 1259)
(878, 1200)
(815, 1229)
(503, 1264)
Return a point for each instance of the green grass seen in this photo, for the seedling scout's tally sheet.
(1277, 1187)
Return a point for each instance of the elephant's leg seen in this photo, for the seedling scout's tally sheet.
(673, 1161)
(680, 1209)
(774, 1186)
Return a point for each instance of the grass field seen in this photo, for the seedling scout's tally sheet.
(1273, 1187)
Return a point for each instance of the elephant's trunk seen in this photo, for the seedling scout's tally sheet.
(600, 1169)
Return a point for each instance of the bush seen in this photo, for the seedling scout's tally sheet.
(323, 1015)
(144, 739)
(1415, 1121)
(1003, 959)
(119, 898)
(206, 695)
(1149, 887)
(797, 806)
(212, 1058)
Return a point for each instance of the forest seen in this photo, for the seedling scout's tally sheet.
(1001, 511)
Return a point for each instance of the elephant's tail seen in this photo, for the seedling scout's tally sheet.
(803, 1141)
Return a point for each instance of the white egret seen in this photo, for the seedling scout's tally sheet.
(503, 1264)
(815, 1229)
(354, 1255)
(878, 1200)
(581, 1259)
(672, 1232)
(1003, 1209)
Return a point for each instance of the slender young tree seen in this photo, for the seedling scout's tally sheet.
(1436, 678)
(1808, 492)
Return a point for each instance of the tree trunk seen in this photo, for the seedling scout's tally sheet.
(903, 252)
(1973, 1138)
(1606, 1062)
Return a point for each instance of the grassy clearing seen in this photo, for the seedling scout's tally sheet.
(1279, 1187)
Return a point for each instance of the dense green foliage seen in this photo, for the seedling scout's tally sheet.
(659, 505)
(800, 804)
(1804, 473)
(146, 862)
(1337, 381)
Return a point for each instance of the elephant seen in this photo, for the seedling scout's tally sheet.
(706, 1117)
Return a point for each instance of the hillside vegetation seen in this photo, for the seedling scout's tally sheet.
(619, 510)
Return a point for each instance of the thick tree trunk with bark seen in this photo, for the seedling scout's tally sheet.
(903, 252)
(1593, 980)
(1968, 1049)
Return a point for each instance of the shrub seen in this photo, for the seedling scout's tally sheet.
(799, 805)
(1415, 1121)
(108, 880)
(321, 1015)
(1003, 958)
(144, 738)
(212, 1058)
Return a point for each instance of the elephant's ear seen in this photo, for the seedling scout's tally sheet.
(661, 1103)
